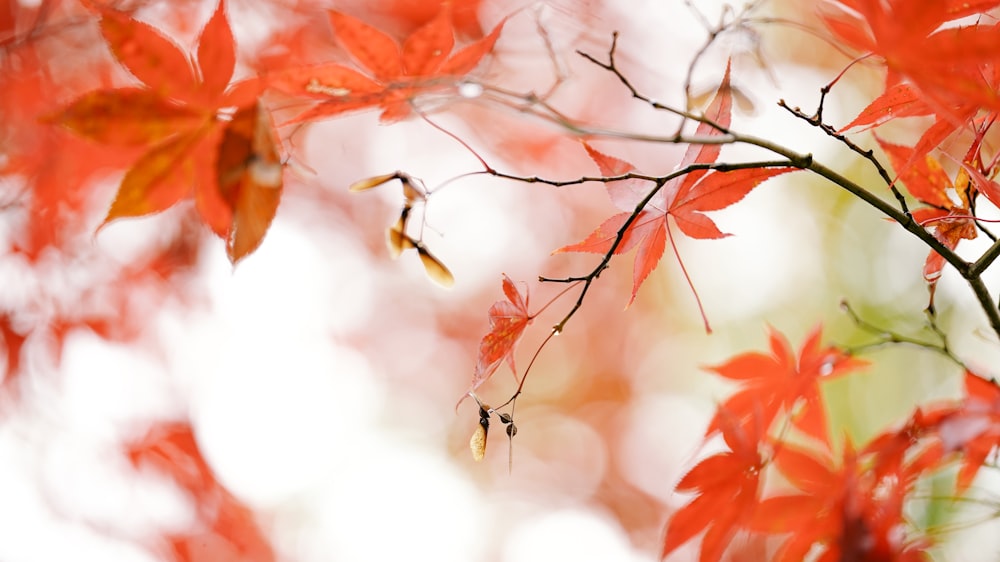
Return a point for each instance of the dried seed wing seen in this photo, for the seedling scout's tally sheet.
(434, 268)
(368, 183)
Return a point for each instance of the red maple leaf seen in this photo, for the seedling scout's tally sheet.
(227, 531)
(974, 427)
(913, 448)
(901, 99)
(423, 63)
(56, 169)
(464, 13)
(727, 487)
(925, 179)
(13, 341)
(946, 62)
(685, 198)
(176, 117)
(779, 381)
(851, 512)
(508, 320)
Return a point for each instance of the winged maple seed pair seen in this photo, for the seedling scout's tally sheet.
(396, 236)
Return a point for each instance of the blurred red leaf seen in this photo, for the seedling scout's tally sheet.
(464, 13)
(974, 427)
(853, 513)
(423, 63)
(946, 62)
(727, 487)
(13, 341)
(780, 381)
(227, 531)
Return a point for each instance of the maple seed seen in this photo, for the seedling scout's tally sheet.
(368, 183)
(433, 266)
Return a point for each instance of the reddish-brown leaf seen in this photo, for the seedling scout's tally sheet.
(974, 428)
(159, 179)
(987, 186)
(853, 513)
(602, 238)
(508, 320)
(249, 176)
(465, 13)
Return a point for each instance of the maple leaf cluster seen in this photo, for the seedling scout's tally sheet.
(846, 505)
(187, 133)
(183, 130)
(207, 138)
(941, 67)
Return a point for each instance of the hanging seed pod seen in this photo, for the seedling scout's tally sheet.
(478, 441)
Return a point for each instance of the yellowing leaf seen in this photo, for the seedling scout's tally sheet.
(159, 179)
(126, 116)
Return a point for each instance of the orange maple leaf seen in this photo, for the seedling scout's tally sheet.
(779, 381)
(176, 116)
(685, 198)
(901, 99)
(423, 63)
(948, 63)
(974, 427)
(926, 180)
(853, 513)
(728, 488)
